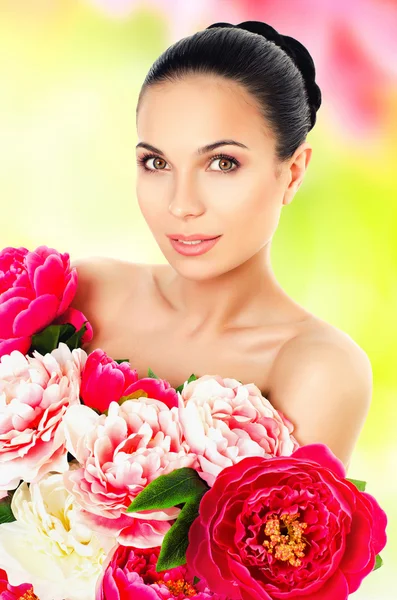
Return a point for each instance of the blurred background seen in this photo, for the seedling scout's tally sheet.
(70, 75)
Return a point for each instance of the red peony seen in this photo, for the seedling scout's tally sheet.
(286, 527)
(35, 289)
(12, 592)
(105, 381)
(131, 573)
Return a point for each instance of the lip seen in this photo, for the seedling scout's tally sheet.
(194, 249)
(191, 238)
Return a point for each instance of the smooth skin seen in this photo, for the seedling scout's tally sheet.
(223, 312)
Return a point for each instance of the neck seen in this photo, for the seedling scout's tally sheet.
(233, 299)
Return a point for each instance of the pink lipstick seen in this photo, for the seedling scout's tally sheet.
(195, 247)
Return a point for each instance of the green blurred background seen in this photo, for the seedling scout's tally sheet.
(70, 75)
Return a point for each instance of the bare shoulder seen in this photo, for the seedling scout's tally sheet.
(324, 347)
(102, 282)
(322, 380)
(95, 275)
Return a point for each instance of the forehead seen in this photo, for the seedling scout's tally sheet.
(200, 108)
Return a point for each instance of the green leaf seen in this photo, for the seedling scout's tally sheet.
(180, 486)
(49, 338)
(46, 340)
(360, 485)
(151, 374)
(6, 514)
(66, 330)
(166, 491)
(192, 377)
(176, 540)
(195, 580)
(133, 396)
(378, 562)
(121, 360)
(74, 341)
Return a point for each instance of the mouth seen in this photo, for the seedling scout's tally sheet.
(199, 237)
(193, 247)
(194, 241)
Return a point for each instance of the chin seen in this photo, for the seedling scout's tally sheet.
(198, 268)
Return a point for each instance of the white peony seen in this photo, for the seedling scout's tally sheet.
(49, 545)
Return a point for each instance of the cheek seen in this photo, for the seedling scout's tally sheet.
(149, 202)
(256, 210)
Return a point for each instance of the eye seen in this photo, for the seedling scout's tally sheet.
(226, 158)
(143, 160)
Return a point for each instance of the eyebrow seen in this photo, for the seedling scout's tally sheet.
(199, 151)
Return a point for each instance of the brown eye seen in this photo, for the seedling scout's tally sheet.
(156, 162)
(226, 163)
(223, 161)
(143, 161)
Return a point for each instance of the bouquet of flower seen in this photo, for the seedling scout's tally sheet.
(114, 486)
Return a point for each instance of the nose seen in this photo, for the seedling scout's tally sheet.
(185, 201)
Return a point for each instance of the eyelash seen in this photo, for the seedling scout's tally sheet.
(145, 157)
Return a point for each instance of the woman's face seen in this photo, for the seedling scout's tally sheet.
(185, 192)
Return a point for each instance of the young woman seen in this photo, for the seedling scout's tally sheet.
(222, 120)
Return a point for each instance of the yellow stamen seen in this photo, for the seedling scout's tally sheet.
(287, 546)
(29, 595)
(179, 586)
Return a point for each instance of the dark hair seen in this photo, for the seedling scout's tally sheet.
(276, 69)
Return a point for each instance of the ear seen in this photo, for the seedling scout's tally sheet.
(296, 170)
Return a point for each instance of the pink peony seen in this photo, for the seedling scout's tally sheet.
(120, 453)
(35, 394)
(11, 592)
(286, 527)
(224, 421)
(105, 381)
(35, 288)
(131, 573)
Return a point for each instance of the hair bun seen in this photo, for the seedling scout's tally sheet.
(295, 50)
